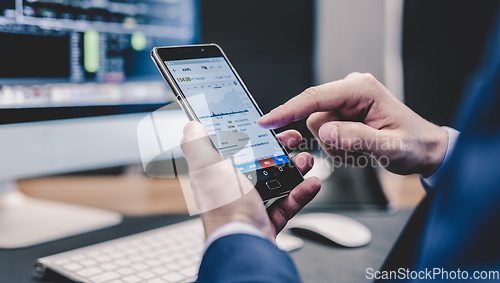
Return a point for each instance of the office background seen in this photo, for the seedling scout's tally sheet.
(282, 47)
(423, 51)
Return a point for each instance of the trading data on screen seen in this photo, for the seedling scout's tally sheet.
(56, 53)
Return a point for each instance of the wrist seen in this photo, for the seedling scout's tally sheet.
(434, 150)
(213, 221)
(231, 228)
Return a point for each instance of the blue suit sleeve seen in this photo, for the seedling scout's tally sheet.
(246, 258)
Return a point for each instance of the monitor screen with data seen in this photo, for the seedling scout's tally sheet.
(86, 57)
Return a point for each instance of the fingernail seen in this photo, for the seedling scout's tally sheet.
(328, 133)
(262, 118)
(262, 123)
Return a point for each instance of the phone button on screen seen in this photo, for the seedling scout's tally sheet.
(268, 162)
(265, 174)
(273, 184)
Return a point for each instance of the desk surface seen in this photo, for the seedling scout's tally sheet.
(325, 262)
(316, 261)
(138, 197)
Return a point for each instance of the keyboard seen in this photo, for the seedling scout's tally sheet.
(164, 255)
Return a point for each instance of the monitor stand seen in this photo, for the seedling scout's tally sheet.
(26, 221)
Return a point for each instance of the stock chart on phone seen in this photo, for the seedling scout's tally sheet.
(222, 105)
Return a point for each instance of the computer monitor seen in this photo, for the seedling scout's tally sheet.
(75, 76)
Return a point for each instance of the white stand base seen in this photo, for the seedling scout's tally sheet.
(26, 221)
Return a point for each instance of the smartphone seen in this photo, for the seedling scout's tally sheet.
(210, 91)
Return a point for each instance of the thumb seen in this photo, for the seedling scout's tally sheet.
(197, 147)
(350, 136)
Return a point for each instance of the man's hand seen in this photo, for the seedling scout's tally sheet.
(213, 179)
(359, 115)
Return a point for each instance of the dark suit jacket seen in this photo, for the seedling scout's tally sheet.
(246, 258)
(457, 225)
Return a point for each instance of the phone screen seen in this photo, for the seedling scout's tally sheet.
(221, 104)
(219, 100)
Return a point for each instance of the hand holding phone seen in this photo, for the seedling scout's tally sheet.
(213, 181)
(210, 91)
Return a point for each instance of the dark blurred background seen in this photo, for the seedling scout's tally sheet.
(282, 47)
(442, 46)
(270, 44)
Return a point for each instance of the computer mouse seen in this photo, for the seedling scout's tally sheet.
(339, 229)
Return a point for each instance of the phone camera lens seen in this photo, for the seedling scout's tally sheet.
(202, 49)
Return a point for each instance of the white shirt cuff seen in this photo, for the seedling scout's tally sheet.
(431, 181)
(231, 228)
